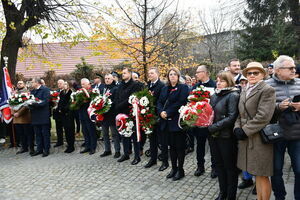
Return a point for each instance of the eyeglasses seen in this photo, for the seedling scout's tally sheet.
(253, 73)
(290, 68)
(197, 72)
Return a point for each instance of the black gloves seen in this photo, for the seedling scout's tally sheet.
(240, 134)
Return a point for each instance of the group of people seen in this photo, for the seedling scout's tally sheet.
(244, 103)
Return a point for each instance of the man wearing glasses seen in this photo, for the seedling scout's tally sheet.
(287, 89)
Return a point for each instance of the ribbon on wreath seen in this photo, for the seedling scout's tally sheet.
(136, 111)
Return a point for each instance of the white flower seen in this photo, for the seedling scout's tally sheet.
(20, 99)
(131, 98)
(143, 111)
(148, 131)
(144, 101)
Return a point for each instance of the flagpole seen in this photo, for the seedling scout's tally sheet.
(5, 58)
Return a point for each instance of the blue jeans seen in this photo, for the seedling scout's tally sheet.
(293, 148)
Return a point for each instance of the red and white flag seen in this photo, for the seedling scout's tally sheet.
(5, 94)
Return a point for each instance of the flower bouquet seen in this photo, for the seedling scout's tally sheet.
(54, 98)
(81, 97)
(143, 110)
(16, 101)
(197, 112)
(124, 125)
(99, 105)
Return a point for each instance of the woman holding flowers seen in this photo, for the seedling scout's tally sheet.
(171, 98)
(223, 144)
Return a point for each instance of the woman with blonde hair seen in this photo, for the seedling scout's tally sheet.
(256, 108)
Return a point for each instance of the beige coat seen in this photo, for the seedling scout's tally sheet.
(254, 156)
(24, 116)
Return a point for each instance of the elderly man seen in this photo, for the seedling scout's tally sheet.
(109, 120)
(57, 116)
(286, 87)
(201, 134)
(40, 117)
(88, 127)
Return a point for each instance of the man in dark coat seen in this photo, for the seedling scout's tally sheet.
(40, 119)
(97, 82)
(155, 86)
(126, 88)
(88, 127)
(67, 116)
(202, 133)
(58, 117)
(109, 121)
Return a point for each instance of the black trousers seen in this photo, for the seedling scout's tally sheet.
(225, 154)
(201, 135)
(177, 141)
(26, 135)
(69, 127)
(14, 136)
(59, 128)
(126, 145)
(153, 140)
(77, 121)
(163, 141)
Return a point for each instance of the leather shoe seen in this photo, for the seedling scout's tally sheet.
(254, 192)
(69, 150)
(84, 151)
(221, 196)
(199, 171)
(164, 166)
(57, 145)
(22, 151)
(172, 173)
(213, 173)
(36, 153)
(92, 151)
(136, 161)
(117, 154)
(45, 154)
(123, 158)
(105, 153)
(245, 184)
(179, 175)
(150, 163)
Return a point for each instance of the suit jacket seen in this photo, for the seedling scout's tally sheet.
(40, 114)
(170, 100)
(109, 117)
(254, 156)
(64, 102)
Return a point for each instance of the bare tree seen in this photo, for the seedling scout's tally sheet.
(23, 15)
(147, 21)
(217, 27)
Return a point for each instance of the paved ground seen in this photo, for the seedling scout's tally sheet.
(76, 176)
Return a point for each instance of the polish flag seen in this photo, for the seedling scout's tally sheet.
(5, 93)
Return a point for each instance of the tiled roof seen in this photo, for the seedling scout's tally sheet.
(61, 58)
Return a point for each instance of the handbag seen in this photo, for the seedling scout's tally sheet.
(271, 133)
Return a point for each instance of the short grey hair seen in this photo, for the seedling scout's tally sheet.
(281, 59)
(85, 80)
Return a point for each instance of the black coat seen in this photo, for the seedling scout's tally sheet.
(122, 96)
(40, 114)
(225, 105)
(64, 102)
(109, 117)
(171, 101)
(156, 89)
(210, 83)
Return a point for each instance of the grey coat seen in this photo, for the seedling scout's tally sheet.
(254, 156)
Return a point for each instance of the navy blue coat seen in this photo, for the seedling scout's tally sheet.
(40, 111)
(171, 101)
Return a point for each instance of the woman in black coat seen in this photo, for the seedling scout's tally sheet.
(223, 143)
(171, 98)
